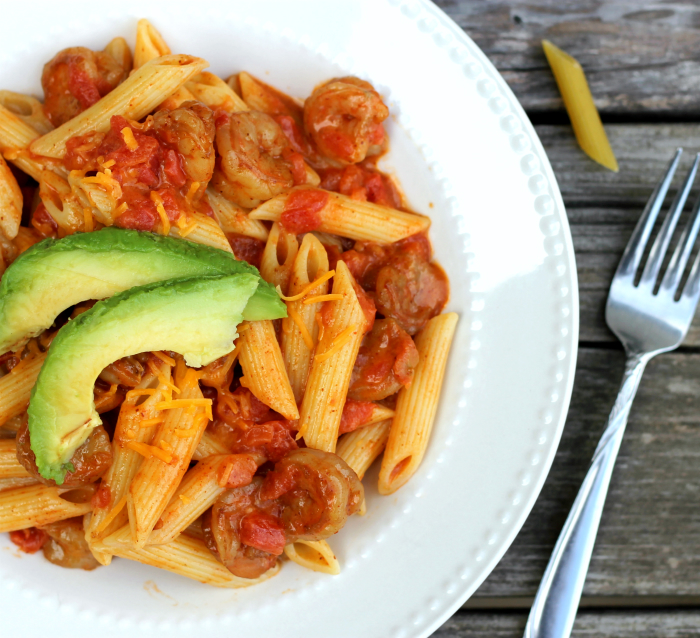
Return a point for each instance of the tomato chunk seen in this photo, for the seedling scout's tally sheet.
(302, 210)
(263, 531)
(30, 540)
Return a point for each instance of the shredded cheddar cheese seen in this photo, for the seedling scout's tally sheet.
(225, 473)
(165, 358)
(321, 326)
(308, 288)
(130, 434)
(158, 201)
(166, 446)
(108, 164)
(296, 318)
(150, 450)
(337, 344)
(111, 516)
(320, 298)
(194, 187)
(185, 499)
(107, 181)
(185, 403)
(120, 210)
(149, 423)
(89, 221)
(244, 382)
(129, 138)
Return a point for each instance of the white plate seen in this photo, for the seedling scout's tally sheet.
(466, 155)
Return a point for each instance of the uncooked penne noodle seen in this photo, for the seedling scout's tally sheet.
(211, 90)
(417, 404)
(234, 219)
(186, 556)
(149, 44)
(16, 386)
(199, 489)
(202, 229)
(28, 109)
(10, 467)
(332, 366)
(36, 505)
(263, 368)
(120, 51)
(10, 202)
(138, 95)
(300, 329)
(10, 483)
(209, 445)
(168, 457)
(278, 257)
(360, 448)
(353, 219)
(579, 104)
(315, 555)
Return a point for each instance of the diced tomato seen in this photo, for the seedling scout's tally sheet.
(102, 498)
(246, 248)
(141, 214)
(278, 482)
(355, 414)
(173, 169)
(241, 472)
(221, 118)
(263, 531)
(170, 203)
(29, 540)
(302, 211)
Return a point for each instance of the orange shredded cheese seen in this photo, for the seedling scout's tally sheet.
(225, 473)
(286, 326)
(308, 288)
(296, 318)
(321, 326)
(89, 221)
(337, 344)
(165, 358)
(244, 382)
(149, 423)
(194, 187)
(198, 425)
(150, 450)
(129, 138)
(185, 499)
(111, 516)
(186, 231)
(166, 446)
(319, 298)
(185, 403)
(158, 201)
(243, 327)
(108, 164)
(130, 434)
(120, 210)
(105, 179)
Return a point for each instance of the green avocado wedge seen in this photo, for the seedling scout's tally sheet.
(54, 275)
(196, 317)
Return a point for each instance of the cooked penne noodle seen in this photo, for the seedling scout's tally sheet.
(299, 329)
(327, 239)
(417, 405)
(16, 386)
(10, 483)
(149, 44)
(28, 109)
(199, 489)
(209, 445)
(278, 257)
(120, 51)
(15, 137)
(215, 93)
(10, 467)
(360, 448)
(202, 229)
(353, 219)
(171, 451)
(61, 202)
(145, 89)
(10, 202)
(334, 359)
(186, 556)
(580, 106)
(315, 555)
(36, 505)
(234, 219)
(263, 368)
(261, 97)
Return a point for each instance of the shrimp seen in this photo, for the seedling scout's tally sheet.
(189, 130)
(253, 169)
(66, 545)
(75, 79)
(344, 119)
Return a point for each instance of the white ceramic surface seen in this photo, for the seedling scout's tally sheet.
(466, 155)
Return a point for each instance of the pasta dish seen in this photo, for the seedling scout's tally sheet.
(216, 313)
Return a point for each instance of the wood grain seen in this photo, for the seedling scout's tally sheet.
(639, 57)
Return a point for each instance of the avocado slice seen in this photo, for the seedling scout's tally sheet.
(196, 317)
(54, 275)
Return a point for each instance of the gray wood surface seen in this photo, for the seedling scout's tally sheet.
(639, 56)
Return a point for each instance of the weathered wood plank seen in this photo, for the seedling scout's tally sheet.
(598, 624)
(639, 56)
(648, 538)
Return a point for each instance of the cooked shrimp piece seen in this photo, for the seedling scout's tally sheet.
(75, 79)
(253, 169)
(344, 118)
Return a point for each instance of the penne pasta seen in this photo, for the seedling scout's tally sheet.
(145, 89)
(234, 219)
(278, 257)
(61, 202)
(149, 44)
(167, 459)
(10, 202)
(360, 448)
(186, 556)
(120, 51)
(353, 219)
(417, 405)
(10, 483)
(15, 137)
(580, 106)
(209, 445)
(10, 467)
(215, 93)
(199, 489)
(334, 357)
(36, 505)
(16, 386)
(300, 329)
(261, 97)
(315, 555)
(263, 368)
(28, 109)
(202, 229)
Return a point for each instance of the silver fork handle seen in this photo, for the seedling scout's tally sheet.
(554, 609)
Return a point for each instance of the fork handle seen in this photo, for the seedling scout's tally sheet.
(554, 609)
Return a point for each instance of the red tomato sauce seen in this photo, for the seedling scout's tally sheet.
(302, 210)
(29, 540)
(355, 414)
(362, 182)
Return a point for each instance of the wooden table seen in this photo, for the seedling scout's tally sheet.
(642, 60)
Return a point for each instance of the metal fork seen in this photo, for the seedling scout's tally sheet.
(647, 323)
